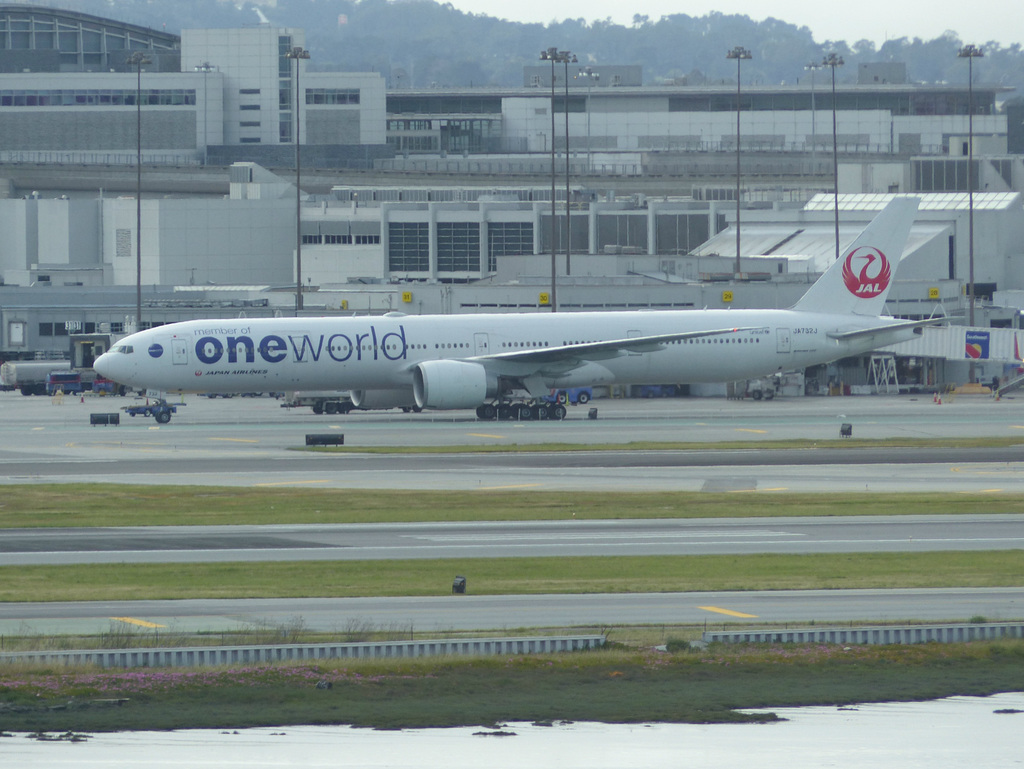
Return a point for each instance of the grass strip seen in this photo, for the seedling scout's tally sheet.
(509, 576)
(609, 686)
(82, 505)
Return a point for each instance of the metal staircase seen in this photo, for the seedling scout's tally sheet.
(883, 374)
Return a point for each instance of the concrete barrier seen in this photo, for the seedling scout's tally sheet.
(113, 418)
(901, 634)
(197, 656)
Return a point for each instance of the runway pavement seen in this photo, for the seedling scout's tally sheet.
(251, 442)
(513, 612)
(573, 538)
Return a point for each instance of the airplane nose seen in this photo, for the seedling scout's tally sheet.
(112, 366)
(103, 366)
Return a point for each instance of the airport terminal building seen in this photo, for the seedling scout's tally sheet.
(70, 92)
(477, 230)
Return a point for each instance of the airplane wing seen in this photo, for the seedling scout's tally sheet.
(564, 358)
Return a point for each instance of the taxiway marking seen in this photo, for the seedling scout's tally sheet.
(139, 622)
(727, 611)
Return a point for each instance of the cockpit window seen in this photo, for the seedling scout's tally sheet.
(124, 349)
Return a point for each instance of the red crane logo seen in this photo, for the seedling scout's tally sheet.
(873, 276)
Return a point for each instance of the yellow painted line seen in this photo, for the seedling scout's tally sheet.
(518, 486)
(289, 483)
(38, 428)
(748, 430)
(998, 471)
(1012, 427)
(757, 491)
(727, 611)
(139, 622)
(484, 435)
(236, 440)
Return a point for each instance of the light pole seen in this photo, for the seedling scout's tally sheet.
(206, 68)
(833, 61)
(298, 54)
(814, 67)
(554, 55)
(137, 59)
(970, 52)
(591, 77)
(739, 53)
(568, 214)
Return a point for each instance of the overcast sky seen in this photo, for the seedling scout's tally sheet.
(977, 22)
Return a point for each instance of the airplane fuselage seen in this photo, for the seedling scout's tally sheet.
(480, 361)
(381, 352)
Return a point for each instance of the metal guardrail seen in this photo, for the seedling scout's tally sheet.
(199, 656)
(903, 634)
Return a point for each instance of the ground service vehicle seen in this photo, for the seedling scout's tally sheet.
(29, 376)
(574, 396)
(321, 402)
(160, 410)
(66, 382)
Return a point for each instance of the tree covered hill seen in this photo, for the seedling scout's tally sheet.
(435, 45)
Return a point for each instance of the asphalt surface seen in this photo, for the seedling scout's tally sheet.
(574, 538)
(252, 442)
(417, 616)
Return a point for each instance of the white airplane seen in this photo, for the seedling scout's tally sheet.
(501, 365)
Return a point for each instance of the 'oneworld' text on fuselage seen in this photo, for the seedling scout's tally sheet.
(228, 346)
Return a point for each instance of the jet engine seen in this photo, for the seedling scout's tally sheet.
(452, 384)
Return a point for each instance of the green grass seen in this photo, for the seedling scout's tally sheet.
(612, 686)
(500, 576)
(608, 686)
(72, 505)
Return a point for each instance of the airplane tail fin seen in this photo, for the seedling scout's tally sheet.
(859, 281)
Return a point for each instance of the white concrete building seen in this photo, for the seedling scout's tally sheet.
(224, 95)
(258, 83)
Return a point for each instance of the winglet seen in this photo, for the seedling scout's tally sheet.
(859, 281)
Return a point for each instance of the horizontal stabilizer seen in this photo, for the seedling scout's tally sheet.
(891, 333)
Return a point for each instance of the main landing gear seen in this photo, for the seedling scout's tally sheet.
(521, 411)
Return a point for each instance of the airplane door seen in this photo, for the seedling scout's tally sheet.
(179, 352)
(783, 342)
(480, 344)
